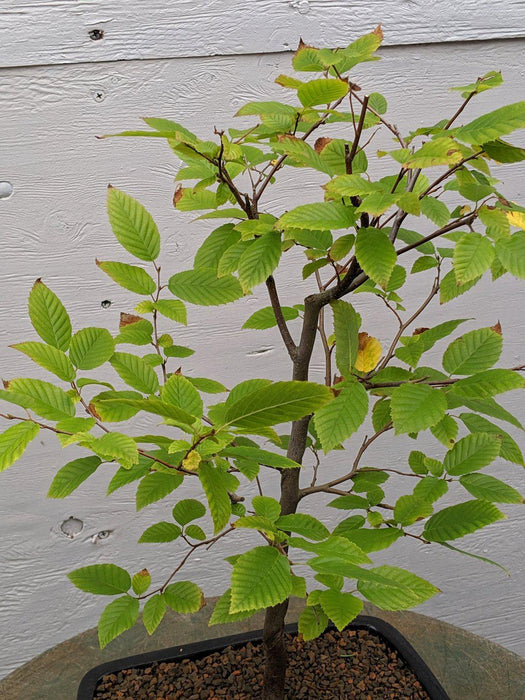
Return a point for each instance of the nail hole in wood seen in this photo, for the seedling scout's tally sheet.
(96, 34)
(6, 190)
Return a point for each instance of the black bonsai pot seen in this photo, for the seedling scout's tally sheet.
(198, 650)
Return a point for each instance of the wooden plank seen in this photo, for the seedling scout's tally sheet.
(41, 32)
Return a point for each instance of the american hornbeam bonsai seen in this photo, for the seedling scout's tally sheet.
(359, 238)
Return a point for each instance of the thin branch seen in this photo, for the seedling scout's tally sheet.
(463, 221)
(155, 328)
(461, 108)
(279, 317)
(349, 159)
(324, 339)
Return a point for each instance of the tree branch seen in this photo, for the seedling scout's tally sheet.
(281, 321)
(463, 221)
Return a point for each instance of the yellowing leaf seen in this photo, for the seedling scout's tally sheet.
(192, 461)
(516, 218)
(368, 353)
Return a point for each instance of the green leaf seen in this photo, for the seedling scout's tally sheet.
(127, 476)
(486, 82)
(172, 309)
(138, 332)
(473, 352)
(511, 253)
(256, 454)
(221, 612)
(71, 475)
(195, 532)
(346, 328)
(260, 108)
(184, 597)
(487, 406)
(141, 581)
(265, 318)
(155, 486)
(504, 152)
(180, 392)
(488, 383)
(375, 254)
(491, 126)
(14, 441)
(460, 520)
(46, 399)
(187, 510)
(101, 579)
(132, 225)
(257, 522)
(49, 358)
(415, 407)
(319, 216)
(130, 277)
(261, 578)
(340, 607)
(216, 485)
(91, 347)
(473, 255)
(258, 261)
(410, 508)
(349, 502)
(471, 453)
(203, 287)
(509, 449)
(488, 488)
(120, 615)
(116, 446)
(450, 288)
(446, 431)
(208, 386)
(210, 252)
(410, 590)
(430, 489)
(321, 92)
(435, 210)
(372, 540)
(135, 372)
(425, 262)
(153, 612)
(266, 507)
(337, 420)
(303, 524)
(161, 532)
(312, 622)
(49, 317)
(193, 199)
(439, 151)
(279, 402)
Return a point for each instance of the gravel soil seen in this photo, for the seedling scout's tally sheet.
(350, 665)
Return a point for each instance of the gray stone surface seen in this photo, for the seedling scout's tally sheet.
(469, 667)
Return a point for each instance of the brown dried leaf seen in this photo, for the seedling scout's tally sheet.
(177, 195)
(93, 412)
(379, 31)
(321, 143)
(128, 319)
(418, 331)
(496, 328)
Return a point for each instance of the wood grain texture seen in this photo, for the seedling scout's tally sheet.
(54, 226)
(58, 31)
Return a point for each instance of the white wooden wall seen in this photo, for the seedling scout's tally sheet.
(58, 89)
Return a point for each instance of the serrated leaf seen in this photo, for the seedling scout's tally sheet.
(161, 532)
(141, 581)
(120, 615)
(303, 524)
(136, 331)
(261, 578)
(116, 446)
(322, 91)
(375, 254)
(337, 420)
(135, 372)
(259, 260)
(426, 262)
(312, 622)
(450, 288)
(473, 352)
(179, 391)
(488, 383)
(187, 510)
(153, 612)
(509, 449)
(471, 453)
(491, 126)
(266, 507)
(91, 347)
(368, 353)
(46, 399)
(439, 151)
(435, 210)
(204, 288)
(208, 386)
(101, 579)
(410, 590)
(340, 607)
(132, 225)
(372, 540)
(14, 441)
(155, 486)
(256, 454)
(216, 485)
(416, 407)
(473, 255)
(265, 318)
(172, 309)
(319, 216)
(460, 520)
(48, 357)
(71, 475)
(279, 402)
(184, 597)
(256, 522)
(488, 488)
(430, 489)
(346, 326)
(130, 277)
(221, 612)
(49, 317)
(511, 253)
(410, 508)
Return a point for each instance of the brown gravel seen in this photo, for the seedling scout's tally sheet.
(354, 665)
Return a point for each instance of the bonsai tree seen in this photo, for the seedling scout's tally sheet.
(362, 236)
